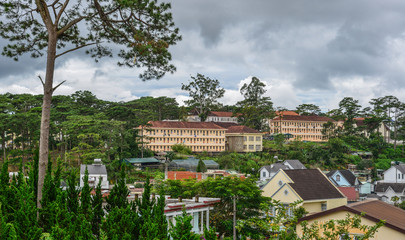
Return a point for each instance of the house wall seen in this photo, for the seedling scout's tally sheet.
(272, 186)
(252, 142)
(264, 170)
(104, 180)
(235, 143)
(342, 182)
(286, 195)
(383, 233)
(199, 140)
(366, 188)
(391, 175)
(301, 130)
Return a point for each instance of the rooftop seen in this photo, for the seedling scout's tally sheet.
(312, 184)
(311, 118)
(187, 125)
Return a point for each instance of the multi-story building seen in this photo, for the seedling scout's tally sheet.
(305, 128)
(198, 136)
(202, 136)
(382, 129)
(213, 117)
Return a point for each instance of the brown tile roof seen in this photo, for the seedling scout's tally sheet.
(378, 209)
(169, 124)
(241, 129)
(374, 210)
(221, 114)
(226, 124)
(305, 118)
(312, 184)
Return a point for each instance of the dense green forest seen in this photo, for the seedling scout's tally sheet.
(84, 127)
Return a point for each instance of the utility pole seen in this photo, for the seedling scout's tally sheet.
(234, 217)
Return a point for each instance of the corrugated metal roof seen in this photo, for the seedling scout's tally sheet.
(141, 160)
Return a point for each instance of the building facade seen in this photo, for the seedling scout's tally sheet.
(304, 128)
(243, 139)
(198, 136)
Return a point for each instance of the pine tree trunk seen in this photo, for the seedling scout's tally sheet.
(46, 113)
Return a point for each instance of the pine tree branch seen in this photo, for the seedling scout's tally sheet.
(74, 49)
(53, 89)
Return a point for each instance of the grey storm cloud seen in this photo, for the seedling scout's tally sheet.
(303, 46)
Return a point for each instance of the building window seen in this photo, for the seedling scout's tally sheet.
(286, 192)
(338, 178)
(264, 174)
(280, 183)
(244, 138)
(258, 147)
(323, 207)
(251, 138)
(244, 147)
(251, 147)
(258, 138)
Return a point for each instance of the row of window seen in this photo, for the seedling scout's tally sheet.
(252, 147)
(295, 130)
(186, 140)
(252, 138)
(298, 124)
(189, 132)
(193, 148)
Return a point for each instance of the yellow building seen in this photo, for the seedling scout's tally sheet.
(373, 210)
(241, 138)
(198, 136)
(304, 128)
(310, 186)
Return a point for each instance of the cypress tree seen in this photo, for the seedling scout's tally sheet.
(98, 212)
(201, 166)
(85, 198)
(119, 193)
(183, 227)
(72, 193)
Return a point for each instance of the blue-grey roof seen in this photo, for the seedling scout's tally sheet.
(140, 160)
(93, 169)
(191, 163)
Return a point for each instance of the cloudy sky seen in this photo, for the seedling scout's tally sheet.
(311, 51)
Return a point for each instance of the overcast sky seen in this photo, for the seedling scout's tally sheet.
(311, 51)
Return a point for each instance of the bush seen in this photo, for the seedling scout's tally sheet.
(181, 148)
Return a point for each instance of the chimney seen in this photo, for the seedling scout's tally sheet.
(180, 199)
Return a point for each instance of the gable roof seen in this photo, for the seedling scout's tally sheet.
(312, 184)
(226, 124)
(374, 210)
(168, 124)
(305, 118)
(274, 167)
(349, 192)
(347, 174)
(295, 164)
(93, 169)
(401, 167)
(383, 186)
(241, 129)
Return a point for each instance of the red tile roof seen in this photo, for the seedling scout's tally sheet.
(241, 129)
(350, 193)
(285, 113)
(221, 114)
(180, 175)
(169, 124)
(305, 118)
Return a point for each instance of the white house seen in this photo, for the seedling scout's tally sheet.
(268, 171)
(389, 190)
(395, 174)
(97, 172)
